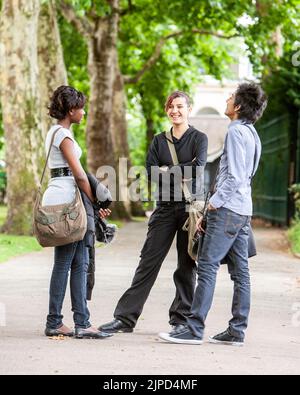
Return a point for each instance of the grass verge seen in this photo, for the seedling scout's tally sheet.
(12, 246)
(294, 238)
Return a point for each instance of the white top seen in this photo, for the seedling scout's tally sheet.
(56, 158)
(60, 190)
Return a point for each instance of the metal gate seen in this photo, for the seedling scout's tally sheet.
(271, 183)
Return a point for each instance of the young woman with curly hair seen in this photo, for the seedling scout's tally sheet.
(67, 107)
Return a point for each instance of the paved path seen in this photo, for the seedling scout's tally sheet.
(273, 338)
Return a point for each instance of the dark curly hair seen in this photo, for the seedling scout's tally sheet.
(253, 101)
(65, 99)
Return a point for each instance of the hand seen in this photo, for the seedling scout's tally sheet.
(104, 213)
(211, 207)
(199, 225)
(164, 168)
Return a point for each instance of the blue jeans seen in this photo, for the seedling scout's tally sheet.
(226, 235)
(72, 257)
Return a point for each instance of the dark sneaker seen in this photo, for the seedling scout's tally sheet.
(62, 331)
(115, 326)
(91, 333)
(177, 328)
(185, 336)
(227, 338)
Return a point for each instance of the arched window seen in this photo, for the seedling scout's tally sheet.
(208, 111)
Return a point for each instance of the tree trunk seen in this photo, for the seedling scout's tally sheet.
(52, 69)
(119, 122)
(121, 149)
(20, 106)
(106, 124)
(102, 47)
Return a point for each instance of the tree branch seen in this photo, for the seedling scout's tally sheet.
(114, 5)
(92, 14)
(159, 46)
(81, 24)
(130, 8)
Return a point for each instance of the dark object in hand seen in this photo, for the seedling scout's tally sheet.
(199, 237)
(100, 191)
(102, 205)
(105, 233)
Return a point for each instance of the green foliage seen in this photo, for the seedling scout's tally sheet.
(274, 59)
(268, 18)
(183, 61)
(2, 182)
(177, 70)
(89, 8)
(3, 212)
(295, 190)
(137, 134)
(283, 88)
(294, 231)
(294, 238)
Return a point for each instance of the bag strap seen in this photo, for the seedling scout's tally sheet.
(171, 145)
(48, 155)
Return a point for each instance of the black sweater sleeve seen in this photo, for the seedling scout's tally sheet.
(153, 163)
(200, 155)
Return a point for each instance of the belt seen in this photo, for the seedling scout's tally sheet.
(61, 172)
(171, 204)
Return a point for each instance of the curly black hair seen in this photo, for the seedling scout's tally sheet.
(65, 99)
(253, 101)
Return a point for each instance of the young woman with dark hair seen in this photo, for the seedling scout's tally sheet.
(67, 107)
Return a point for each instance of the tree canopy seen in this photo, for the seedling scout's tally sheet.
(128, 55)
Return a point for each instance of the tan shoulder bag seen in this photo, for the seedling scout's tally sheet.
(195, 208)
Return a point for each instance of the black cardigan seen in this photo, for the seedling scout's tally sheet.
(93, 224)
